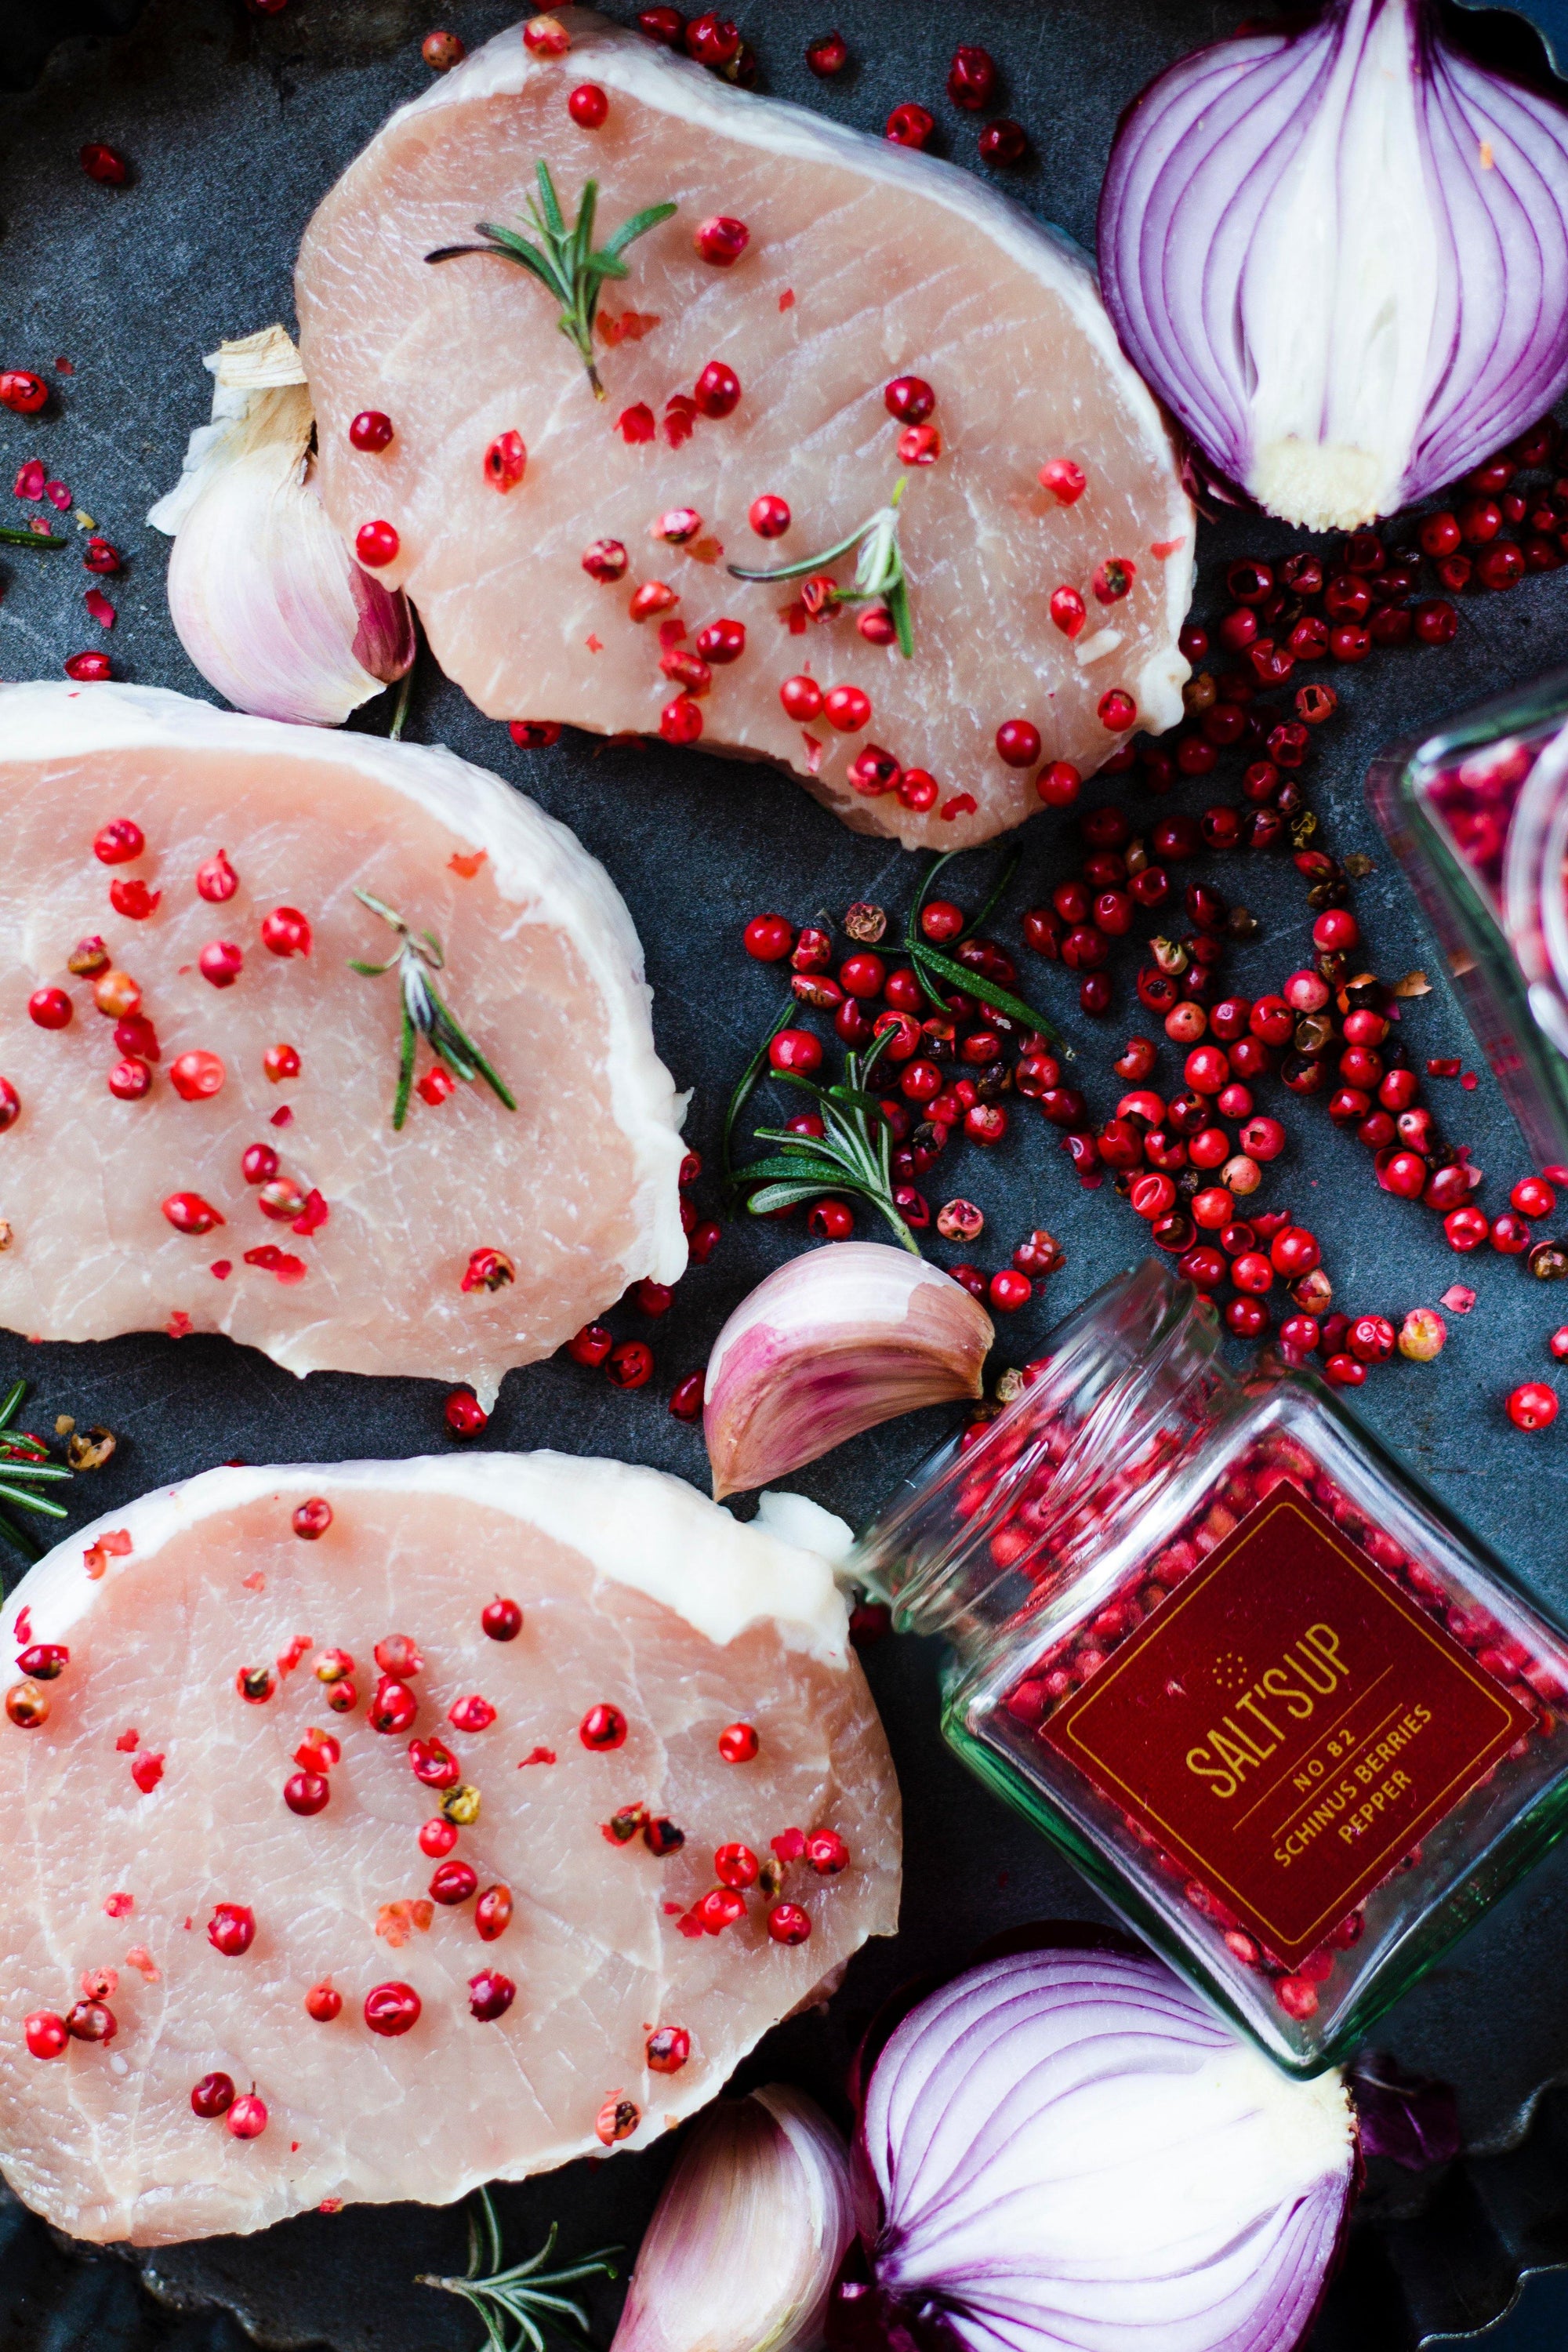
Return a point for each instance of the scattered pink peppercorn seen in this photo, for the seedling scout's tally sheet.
(738, 1743)
(312, 1519)
(789, 1924)
(1532, 1405)
(501, 1619)
(829, 56)
(668, 2047)
(490, 1995)
(1004, 143)
(376, 544)
(1117, 710)
(920, 445)
(630, 1366)
(588, 106)
(717, 390)
(464, 1415)
(721, 241)
(44, 2034)
(371, 430)
(506, 461)
(971, 78)
(22, 392)
(105, 165)
(213, 2096)
(605, 560)
(442, 50)
(1423, 1335)
(907, 126)
(392, 2008)
(285, 932)
(546, 36)
(685, 1402)
(323, 2002)
(603, 1728)
(231, 1930)
(680, 721)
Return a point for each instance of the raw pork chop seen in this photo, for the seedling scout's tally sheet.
(153, 1794)
(866, 262)
(576, 1187)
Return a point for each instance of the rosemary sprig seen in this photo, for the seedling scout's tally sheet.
(565, 260)
(744, 1087)
(9, 538)
(855, 1155)
(423, 1013)
(933, 966)
(24, 1465)
(528, 2293)
(880, 575)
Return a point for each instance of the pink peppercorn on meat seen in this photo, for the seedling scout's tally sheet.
(375, 1832)
(830, 327)
(197, 1091)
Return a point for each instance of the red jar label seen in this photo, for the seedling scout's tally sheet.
(1288, 1724)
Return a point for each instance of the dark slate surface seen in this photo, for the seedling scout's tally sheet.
(236, 127)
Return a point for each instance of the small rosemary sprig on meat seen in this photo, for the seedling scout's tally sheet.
(880, 575)
(526, 2293)
(24, 1465)
(565, 260)
(423, 1013)
(854, 1154)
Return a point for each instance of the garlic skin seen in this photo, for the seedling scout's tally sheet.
(833, 1343)
(745, 2239)
(1340, 255)
(264, 596)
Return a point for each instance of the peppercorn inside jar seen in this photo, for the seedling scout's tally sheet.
(1290, 1718)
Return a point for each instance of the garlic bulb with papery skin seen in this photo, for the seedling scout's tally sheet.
(828, 1345)
(1340, 255)
(745, 2239)
(264, 596)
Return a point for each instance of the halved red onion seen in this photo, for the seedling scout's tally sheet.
(1063, 2151)
(1340, 255)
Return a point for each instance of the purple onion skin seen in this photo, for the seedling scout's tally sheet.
(1172, 249)
(862, 2316)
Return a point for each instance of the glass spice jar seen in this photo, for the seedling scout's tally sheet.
(1477, 814)
(1297, 1724)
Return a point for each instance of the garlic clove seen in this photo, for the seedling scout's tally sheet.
(831, 1344)
(265, 598)
(747, 2236)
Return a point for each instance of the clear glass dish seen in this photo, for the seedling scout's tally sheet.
(1297, 1724)
(1477, 814)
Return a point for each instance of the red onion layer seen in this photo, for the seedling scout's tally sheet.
(1340, 255)
(1068, 2153)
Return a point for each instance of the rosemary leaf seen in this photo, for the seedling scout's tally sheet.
(528, 2293)
(785, 1170)
(11, 1403)
(997, 892)
(9, 538)
(565, 261)
(42, 1504)
(975, 984)
(425, 1013)
(744, 1087)
(23, 1538)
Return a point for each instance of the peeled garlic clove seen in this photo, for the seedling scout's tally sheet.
(264, 596)
(1339, 253)
(748, 2234)
(830, 1344)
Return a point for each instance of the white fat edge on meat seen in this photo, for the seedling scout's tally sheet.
(537, 865)
(642, 70)
(638, 1527)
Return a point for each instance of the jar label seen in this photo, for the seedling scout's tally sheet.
(1288, 1724)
